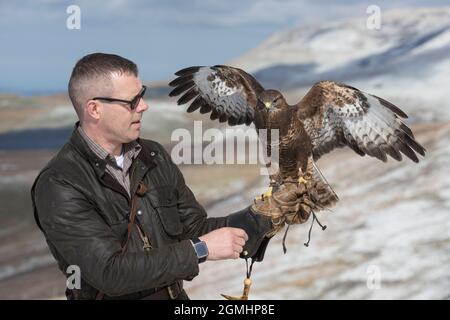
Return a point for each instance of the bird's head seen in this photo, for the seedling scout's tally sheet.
(271, 100)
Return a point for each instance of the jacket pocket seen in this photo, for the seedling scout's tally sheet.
(164, 201)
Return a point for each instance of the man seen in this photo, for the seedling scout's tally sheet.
(117, 206)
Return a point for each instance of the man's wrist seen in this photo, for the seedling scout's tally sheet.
(201, 249)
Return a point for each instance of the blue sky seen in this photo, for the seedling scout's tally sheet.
(38, 51)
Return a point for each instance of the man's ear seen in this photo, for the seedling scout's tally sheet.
(92, 109)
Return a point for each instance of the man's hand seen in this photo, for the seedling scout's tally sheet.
(225, 243)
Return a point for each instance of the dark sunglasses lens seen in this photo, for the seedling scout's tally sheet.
(135, 101)
(144, 93)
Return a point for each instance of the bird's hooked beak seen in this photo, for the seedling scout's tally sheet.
(267, 104)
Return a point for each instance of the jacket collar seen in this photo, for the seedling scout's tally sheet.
(145, 156)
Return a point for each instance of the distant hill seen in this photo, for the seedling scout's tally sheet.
(349, 49)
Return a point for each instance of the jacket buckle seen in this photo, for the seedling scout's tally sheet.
(147, 246)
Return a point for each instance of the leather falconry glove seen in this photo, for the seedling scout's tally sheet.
(262, 220)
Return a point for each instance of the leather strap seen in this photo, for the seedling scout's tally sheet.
(140, 192)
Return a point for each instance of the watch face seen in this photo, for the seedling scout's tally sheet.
(201, 249)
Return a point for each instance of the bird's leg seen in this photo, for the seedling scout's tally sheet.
(310, 199)
(302, 180)
(266, 194)
(304, 177)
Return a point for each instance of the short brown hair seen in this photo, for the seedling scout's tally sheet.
(96, 66)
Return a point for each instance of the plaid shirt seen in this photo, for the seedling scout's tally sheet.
(129, 151)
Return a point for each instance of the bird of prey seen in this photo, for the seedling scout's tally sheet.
(331, 115)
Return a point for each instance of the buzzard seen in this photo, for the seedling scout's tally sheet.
(331, 115)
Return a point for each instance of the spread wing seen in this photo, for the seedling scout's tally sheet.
(230, 94)
(336, 115)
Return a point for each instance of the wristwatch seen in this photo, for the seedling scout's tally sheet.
(200, 249)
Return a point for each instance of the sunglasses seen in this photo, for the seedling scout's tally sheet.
(133, 102)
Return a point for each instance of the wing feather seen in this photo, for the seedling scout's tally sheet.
(196, 104)
(188, 96)
(336, 115)
(230, 94)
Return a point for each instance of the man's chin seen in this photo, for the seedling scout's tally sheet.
(133, 136)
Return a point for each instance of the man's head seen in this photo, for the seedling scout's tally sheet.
(101, 75)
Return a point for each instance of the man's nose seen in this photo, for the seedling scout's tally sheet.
(142, 106)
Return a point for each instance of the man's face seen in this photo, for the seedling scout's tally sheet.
(118, 122)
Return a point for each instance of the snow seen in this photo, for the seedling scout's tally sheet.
(345, 41)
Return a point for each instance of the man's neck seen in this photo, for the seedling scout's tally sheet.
(114, 149)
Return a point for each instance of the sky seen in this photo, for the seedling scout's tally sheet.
(38, 51)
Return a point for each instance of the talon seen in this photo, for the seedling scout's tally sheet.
(268, 193)
(302, 180)
(247, 284)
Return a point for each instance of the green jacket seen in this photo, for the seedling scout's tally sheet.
(83, 213)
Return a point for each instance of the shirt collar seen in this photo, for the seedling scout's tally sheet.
(133, 148)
